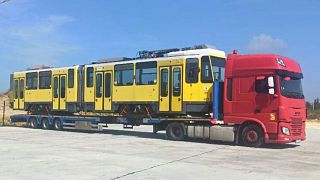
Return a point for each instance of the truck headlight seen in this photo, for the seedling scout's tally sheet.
(285, 131)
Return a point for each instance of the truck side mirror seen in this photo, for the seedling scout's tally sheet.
(271, 91)
(271, 82)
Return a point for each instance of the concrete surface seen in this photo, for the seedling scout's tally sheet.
(121, 154)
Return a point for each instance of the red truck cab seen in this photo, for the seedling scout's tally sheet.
(263, 95)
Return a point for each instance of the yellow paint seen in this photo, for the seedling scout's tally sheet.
(63, 100)
(108, 100)
(18, 94)
(196, 92)
(56, 87)
(72, 93)
(164, 99)
(88, 91)
(21, 93)
(189, 92)
(176, 98)
(99, 98)
(59, 93)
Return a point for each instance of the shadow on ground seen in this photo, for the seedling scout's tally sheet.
(162, 136)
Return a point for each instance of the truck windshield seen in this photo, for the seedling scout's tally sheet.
(291, 87)
(218, 67)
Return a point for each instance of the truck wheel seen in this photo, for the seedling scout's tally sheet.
(175, 131)
(33, 122)
(252, 136)
(45, 123)
(57, 125)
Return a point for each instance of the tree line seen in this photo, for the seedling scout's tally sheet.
(313, 109)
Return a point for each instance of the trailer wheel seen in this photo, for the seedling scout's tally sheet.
(45, 123)
(57, 124)
(175, 131)
(33, 122)
(252, 136)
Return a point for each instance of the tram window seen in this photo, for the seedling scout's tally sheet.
(123, 75)
(16, 87)
(206, 74)
(99, 85)
(70, 78)
(218, 67)
(11, 82)
(164, 82)
(63, 87)
(32, 80)
(45, 80)
(146, 73)
(192, 70)
(261, 86)
(107, 84)
(55, 87)
(89, 76)
(21, 88)
(176, 81)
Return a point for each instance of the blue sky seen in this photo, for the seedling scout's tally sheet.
(62, 33)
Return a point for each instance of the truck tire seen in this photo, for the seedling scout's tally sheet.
(252, 136)
(45, 123)
(175, 131)
(57, 124)
(33, 123)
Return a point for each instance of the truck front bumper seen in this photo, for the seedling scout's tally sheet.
(297, 133)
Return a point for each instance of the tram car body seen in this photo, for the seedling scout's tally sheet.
(177, 83)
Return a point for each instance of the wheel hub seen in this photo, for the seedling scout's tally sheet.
(252, 136)
(176, 131)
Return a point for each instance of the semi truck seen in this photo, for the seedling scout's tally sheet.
(246, 99)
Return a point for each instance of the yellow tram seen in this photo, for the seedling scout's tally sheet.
(166, 82)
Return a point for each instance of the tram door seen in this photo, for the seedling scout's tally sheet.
(103, 89)
(59, 92)
(19, 85)
(170, 96)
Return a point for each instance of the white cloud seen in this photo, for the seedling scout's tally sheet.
(264, 43)
(38, 41)
(41, 28)
(27, 39)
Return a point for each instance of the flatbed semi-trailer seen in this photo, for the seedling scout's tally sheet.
(191, 127)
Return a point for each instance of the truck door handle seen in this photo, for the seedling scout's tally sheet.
(257, 111)
(179, 99)
(160, 99)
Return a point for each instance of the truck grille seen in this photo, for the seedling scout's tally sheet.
(296, 127)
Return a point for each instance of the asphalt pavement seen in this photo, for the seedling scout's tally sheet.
(138, 154)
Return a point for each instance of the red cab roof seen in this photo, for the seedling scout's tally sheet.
(240, 64)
